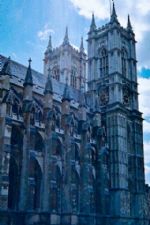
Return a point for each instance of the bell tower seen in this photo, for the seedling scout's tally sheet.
(112, 74)
(112, 63)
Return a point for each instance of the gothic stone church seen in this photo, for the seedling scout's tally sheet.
(71, 149)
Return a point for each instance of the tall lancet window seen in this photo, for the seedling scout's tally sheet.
(124, 60)
(103, 62)
(73, 81)
(56, 73)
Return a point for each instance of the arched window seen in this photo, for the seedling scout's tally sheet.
(36, 141)
(103, 62)
(57, 147)
(15, 107)
(73, 81)
(56, 73)
(56, 189)
(15, 165)
(124, 61)
(38, 115)
(35, 178)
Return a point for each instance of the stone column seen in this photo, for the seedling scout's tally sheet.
(102, 173)
(47, 163)
(5, 135)
(67, 168)
(25, 164)
(85, 160)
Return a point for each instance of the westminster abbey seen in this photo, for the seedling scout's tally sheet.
(71, 139)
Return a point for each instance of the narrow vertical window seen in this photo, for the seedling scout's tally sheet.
(103, 62)
(73, 78)
(124, 62)
(56, 73)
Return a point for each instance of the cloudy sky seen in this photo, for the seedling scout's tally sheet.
(26, 25)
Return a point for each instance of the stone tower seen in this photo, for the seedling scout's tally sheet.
(112, 74)
(66, 61)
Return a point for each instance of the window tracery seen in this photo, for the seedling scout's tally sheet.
(104, 62)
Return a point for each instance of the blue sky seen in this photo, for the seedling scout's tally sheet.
(22, 21)
(25, 26)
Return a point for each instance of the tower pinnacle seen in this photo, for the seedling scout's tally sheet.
(48, 85)
(129, 26)
(66, 38)
(28, 79)
(114, 15)
(82, 45)
(93, 25)
(49, 47)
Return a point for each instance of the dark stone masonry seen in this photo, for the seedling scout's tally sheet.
(71, 139)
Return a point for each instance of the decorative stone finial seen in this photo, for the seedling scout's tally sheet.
(82, 45)
(28, 78)
(48, 85)
(93, 25)
(66, 38)
(114, 15)
(129, 26)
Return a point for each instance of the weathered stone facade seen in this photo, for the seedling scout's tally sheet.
(68, 156)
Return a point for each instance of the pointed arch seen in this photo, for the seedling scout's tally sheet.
(35, 179)
(57, 146)
(36, 141)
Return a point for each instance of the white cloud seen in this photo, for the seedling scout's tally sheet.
(144, 97)
(44, 33)
(146, 126)
(100, 9)
(147, 151)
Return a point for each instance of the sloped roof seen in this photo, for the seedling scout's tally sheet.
(19, 71)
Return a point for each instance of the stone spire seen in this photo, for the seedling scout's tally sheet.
(129, 26)
(48, 85)
(82, 45)
(65, 102)
(66, 38)
(114, 15)
(6, 70)
(49, 47)
(48, 92)
(93, 25)
(28, 79)
(66, 94)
